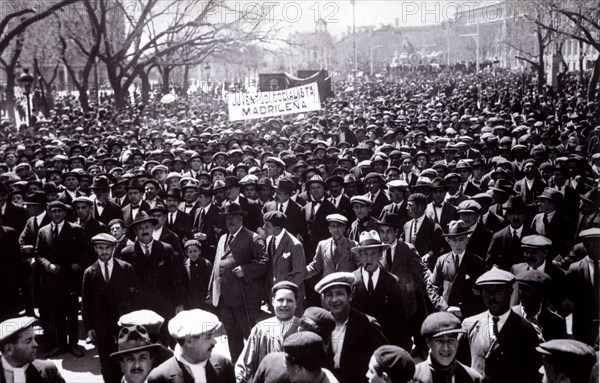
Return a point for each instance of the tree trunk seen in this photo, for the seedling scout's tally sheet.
(186, 78)
(593, 84)
(540, 68)
(145, 77)
(84, 99)
(10, 94)
(166, 75)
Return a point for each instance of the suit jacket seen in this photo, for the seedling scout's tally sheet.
(429, 239)
(561, 231)
(470, 189)
(169, 237)
(197, 279)
(124, 201)
(14, 217)
(182, 225)
(111, 211)
(294, 221)
(218, 370)
(126, 210)
(102, 303)
(212, 225)
(479, 240)
(363, 336)
(345, 208)
(378, 204)
(502, 252)
(29, 234)
(456, 286)
(324, 262)
(66, 198)
(11, 273)
(356, 228)
(549, 324)
(39, 371)
(509, 358)
(554, 291)
(384, 304)
(316, 230)
(462, 373)
(493, 222)
(247, 249)
(585, 299)
(160, 275)
(449, 213)
(529, 195)
(254, 219)
(192, 211)
(399, 210)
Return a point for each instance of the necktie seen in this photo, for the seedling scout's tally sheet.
(171, 219)
(55, 232)
(312, 210)
(456, 262)
(388, 258)
(228, 241)
(135, 207)
(100, 204)
(147, 250)
(272, 247)
(495, 328)
(106, 273)
(414, 232)
(435, 207)
(370, 284)
(281, 208)
(546, 223)
(36, 227)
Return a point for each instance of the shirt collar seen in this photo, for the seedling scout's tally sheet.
(157, 233)
(40, 217)
(280, 236)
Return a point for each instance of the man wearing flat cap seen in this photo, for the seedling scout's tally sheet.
(268, 335)
(284, 189)
(19, 347)
(135, 354)
(237, 279)
(110, 289)
(391, 364)
(583, 284)
(551, 223)
(441, 331)
(365, 221)
(374, 183)
(59, 250)
(501, 343)
(333, 254)
(194, 359)
(568, 361)
(356, 335)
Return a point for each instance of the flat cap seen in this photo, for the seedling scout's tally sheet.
(341, 278)
(533, 278)
(396, 362)
(593, 232)
(193, 322)
(361, 199)
(284, 285)
(14, 326)
(495, 276)
(192, 242)
(440, 324)
(147, 318)
(304, 348)
(397, 184)
(275, 217)
(104, 238)
(337, 218)
(573, 357)
(535, 241)
(318, 320)
(469, 206)
(83, 199)
(159, 167)
(57, 204)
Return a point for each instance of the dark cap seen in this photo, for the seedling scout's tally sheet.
(318, 320)
(440, 324)
(277, 218)
(533, 278)
(285, 285)
(569, 356)
(396, 362)
(305, 348)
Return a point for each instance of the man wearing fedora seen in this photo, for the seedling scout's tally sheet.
(194, 359)
(551, 223)
(60, 247)
(455, 273)
(162, 233)
(177, 221)
(339, 199)
(469, 212)
(135, 354)
(232, 193)
(237, 279)
(104, 209)
(374, 183)
(158, 269)
(501, 191)
(284, 189)
(70, 181)
(376, 292)
(530, 186)
(356, 335)
(499, 343)
(208, 223)
(19, 348)
(110, 289)
(439, 210)
(11, 215)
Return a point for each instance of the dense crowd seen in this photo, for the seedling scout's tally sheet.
(435, 227)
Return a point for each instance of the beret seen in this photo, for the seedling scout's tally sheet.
(321, 319)
(495, 276)
(104, 238)
(14, 326)
(193, 322)
(361, 199)
(341, 278)
(337, 218)
(441, 323)
(535, 241)
(284, 285)
(533, 278)
(593, 232)
(147, 318)
(396, 362)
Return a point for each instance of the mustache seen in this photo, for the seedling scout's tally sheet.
(136, 371)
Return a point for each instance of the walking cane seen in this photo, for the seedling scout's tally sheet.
(245, 304)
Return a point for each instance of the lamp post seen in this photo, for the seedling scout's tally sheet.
(26, 81)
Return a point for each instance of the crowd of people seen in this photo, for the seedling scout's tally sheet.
(437, 227)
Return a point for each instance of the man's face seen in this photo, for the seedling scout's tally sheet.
(24, 351)
(373, 185)
(535, 257)
(134, 195)
(71, 182)
(117, 231)
(396, 195)
(350, 188)
(273, 170)
(269, 228)
(204, 199)
(372, 374)
(362, 211)
(233, 222)
(546, 206)
(232, 192)
(151, 191)
(497, 298)
(195, 164)
(516, 218)
(104, 250)
(136, 366)
(160, 175)
(336, 230)
(83, 210)
(592, 246)
(119, 190)
(265, 193)
(171, 203)
(57, 215)
(199, 348)
(407, 165)
(550, 375)
(102, 195)
(470, 219)
(452, 184)
(458, 244)
(369, 259)
(161, 217)
(190, 195)
(335, 188)
(443, 349)
(144, 232)
(414, 209)
(529, 296)
(464, 174)
(284, 304)
(388, 234)
(317, 191)
(337, 301)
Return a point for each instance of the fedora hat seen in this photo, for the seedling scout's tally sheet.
(233, 209)
(36, 198)
(552, 195)
(285, 185)
(457, 228)
(231, 181)
(133, 339)
(315, 179)
(503, 186)
(515, 202)
(390, 219)
(174, 193)
(142, 217)
(370, 240)
(135, 184)
(100, 182)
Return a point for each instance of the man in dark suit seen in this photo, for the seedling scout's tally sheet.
(551, 223)
(453, 195)
(356, 335)
(491, 221)
(18, 347)
(189, 194)
(11, 273)
(119, 193)
(439, 211)
(70, 181)
(421, 232)
(59, 249)
(82, 206)
(208, 223)
(135, 194)
(335, 187)
(283, 191)
(531, 288)
(530, 186)
(365, 221)
(455, 273)
(237, 279)
(376, 292)
(463, 168)
(479, 239)
(232, 193)
(398, 190)
(374, 183)
(194, 331)
(177, 221)
(104, 209)
(583, 283)
(157, 268)
(11, 215)
(110, 289)
(500, 344)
